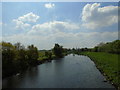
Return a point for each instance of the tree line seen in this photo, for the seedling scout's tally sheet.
(109, 47)
(16, 57)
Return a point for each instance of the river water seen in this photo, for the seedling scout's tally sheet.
(68, 72)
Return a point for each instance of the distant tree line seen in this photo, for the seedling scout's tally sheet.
(16, 58)
(109, 47)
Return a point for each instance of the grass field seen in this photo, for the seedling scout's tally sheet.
(108, 64)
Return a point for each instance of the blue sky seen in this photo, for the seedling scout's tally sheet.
(69, 24)
(66, 10)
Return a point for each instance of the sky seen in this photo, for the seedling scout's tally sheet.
(71, 24)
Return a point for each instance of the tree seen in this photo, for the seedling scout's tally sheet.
(48, 54)
(109, 47)
(8, 56)
(16, 58)
(32, 54)
(58, 50)
(95, 49)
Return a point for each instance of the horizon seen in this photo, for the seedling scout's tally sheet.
(61, 45)
(72, 25)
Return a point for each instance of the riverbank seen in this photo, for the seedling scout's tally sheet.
(107, 64)
(72, 71)
(42, 59)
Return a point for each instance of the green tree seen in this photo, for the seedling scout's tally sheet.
(110, 47)
(8, 56)
(58, 50)
(16, 58)
(95, 49)
(32, 54)
(48, 54)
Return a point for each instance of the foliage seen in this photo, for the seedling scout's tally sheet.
(110, 47)
(48, 54)
(32, 55)
(58, 50)
(16, 58)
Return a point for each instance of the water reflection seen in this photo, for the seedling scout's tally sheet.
(68, 72)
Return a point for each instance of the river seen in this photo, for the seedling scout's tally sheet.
(69, 72)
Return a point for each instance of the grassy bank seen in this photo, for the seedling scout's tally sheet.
(108, 64)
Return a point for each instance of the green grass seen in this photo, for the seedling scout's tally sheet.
(107, 63)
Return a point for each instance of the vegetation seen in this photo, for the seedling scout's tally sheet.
(109, 47)
(107, 63)
(46, 55)
(58, 50)
(106, 56)
(16, 58)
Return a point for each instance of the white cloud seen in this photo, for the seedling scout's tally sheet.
(94, 16)
(45, 35)
(0, 23)
(30, 17)
(49, 5)
(22, 22)
(70, 40)
(21, 25)
(53, 27)
(42, 35)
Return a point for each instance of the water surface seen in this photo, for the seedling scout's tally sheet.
(68, 72)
